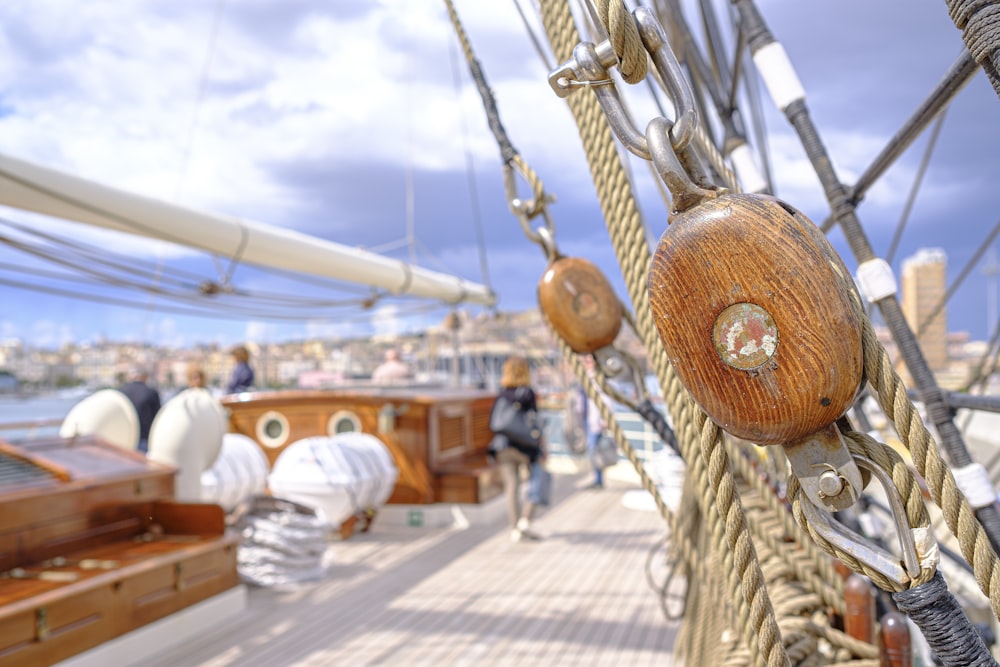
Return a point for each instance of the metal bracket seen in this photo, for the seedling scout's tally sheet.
(826, 470)
(848, 541)
(614, 363)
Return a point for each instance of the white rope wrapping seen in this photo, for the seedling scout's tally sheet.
(779, 76)
(746, 169)
(927, 547)
(974, 483)
(876, 279)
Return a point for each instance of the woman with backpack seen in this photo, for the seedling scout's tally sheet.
(509, 453)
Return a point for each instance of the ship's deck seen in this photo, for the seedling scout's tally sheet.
(420, 596)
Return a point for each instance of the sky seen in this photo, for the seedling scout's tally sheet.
(357, 122)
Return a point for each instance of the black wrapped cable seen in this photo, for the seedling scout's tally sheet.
(944, 624)
(659, 423)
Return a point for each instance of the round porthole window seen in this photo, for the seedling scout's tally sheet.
(343, 421)
(272, 429)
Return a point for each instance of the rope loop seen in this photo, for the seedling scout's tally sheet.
(625, 40)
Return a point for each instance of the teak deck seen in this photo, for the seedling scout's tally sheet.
(409, 596)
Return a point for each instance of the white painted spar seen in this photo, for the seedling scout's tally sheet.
(32, 187)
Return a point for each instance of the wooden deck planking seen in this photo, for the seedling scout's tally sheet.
(409, 596)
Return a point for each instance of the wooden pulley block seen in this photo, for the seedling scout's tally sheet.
(579, 302)
(754, 308)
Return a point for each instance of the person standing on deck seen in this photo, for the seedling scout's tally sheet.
(595, 426)
(242, 377)
(515, 386)
(195, 378)
(146, 401)
(392, 370)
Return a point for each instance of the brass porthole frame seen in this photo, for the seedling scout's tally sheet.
(265, 437)
(342, 415)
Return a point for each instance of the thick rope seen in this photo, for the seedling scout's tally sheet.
(815, 567)
(917, 516)
(958, 514)
(759, 627)
(979, 21)
(625, 40)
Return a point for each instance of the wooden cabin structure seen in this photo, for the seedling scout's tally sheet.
(92, 546)
(437, 437)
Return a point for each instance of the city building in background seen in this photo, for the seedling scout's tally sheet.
(923, 290)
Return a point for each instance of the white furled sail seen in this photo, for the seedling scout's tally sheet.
(31, 187)
(340, 475)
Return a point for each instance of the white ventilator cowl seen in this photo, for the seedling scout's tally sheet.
(107, 414)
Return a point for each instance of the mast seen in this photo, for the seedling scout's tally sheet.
(31, 187)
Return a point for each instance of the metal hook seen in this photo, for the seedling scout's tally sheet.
(548, 243)
(847, 540)
(590, 64)
(526, 209)
(614, 363)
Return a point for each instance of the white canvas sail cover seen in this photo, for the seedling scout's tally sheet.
(339, 475)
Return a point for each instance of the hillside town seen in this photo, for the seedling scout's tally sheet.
(479, 344)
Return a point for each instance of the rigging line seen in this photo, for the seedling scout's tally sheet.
(100, 255)
(213, 313)
(411, 232)
(737, 69)
(93, 253)
(190, 290)
(200, 94)
(533, 36)
(961, 277)
(978, 376)
(716, 49)
(196, 111)
(507, 150)
(470, 175)
(960, 73)
(215, 310)
(753, 122)
(918, 180)
(234, 261)
(111, 280)
(67, 260)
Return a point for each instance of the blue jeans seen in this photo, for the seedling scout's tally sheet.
(592, 439)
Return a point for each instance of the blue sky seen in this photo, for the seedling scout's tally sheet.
(348, 121)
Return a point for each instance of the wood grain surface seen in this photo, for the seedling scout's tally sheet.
(756, 250)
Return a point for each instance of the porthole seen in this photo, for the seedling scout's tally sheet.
(272, 429)
(343, 421)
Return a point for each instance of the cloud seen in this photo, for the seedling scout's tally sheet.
(315, 116)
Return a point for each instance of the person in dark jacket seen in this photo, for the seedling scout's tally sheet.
(242, 377)
(515, 385)
(146, 401)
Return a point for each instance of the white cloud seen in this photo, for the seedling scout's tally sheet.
(116, 94)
